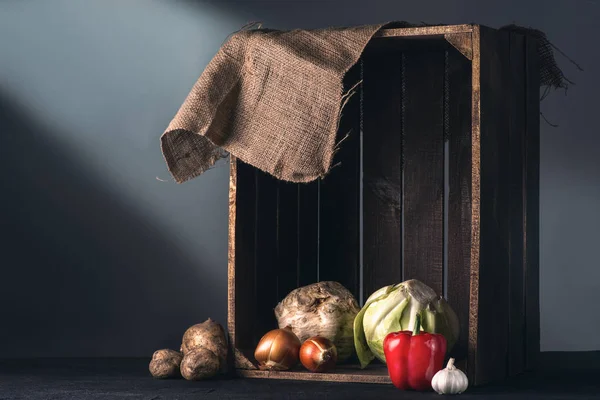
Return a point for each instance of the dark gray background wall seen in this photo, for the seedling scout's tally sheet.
(100, 258)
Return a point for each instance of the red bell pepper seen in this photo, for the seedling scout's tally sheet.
(413, 357)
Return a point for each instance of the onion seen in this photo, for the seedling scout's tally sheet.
(278, 350)
(318, 354)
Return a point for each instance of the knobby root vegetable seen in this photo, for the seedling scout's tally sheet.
(199, 363)
(203, 354)
(324, 309)
(208, 335)
(165, 364)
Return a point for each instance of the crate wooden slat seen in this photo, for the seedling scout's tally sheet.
(266, 248)
(424, 167)
(424, 31)
(459, 194)
(308, 233)
(345, 373)
(438, 180)
(493, 268)
(287, 237)
(241, 259)
(339, 236)
(382, 173)
(516, 92)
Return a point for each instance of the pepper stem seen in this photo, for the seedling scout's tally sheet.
(417, 328)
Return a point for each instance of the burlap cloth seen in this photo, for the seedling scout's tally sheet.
(273, 99)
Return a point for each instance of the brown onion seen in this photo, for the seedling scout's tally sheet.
(278, 350)
(318, 354)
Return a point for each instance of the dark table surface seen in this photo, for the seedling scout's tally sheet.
(129, 379)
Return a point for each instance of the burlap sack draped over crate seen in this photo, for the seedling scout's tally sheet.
(274, 100)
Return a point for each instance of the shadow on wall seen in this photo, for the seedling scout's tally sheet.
(81, 271)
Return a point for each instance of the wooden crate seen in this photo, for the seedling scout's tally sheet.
(439, 181)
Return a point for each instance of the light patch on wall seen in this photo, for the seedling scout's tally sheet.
(107, 77)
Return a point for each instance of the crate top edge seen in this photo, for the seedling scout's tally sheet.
(436, 30)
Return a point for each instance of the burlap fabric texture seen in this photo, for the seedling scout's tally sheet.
(273, 99)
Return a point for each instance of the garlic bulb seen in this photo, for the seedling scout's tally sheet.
(450, 380)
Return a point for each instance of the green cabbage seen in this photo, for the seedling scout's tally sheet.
(394, 308)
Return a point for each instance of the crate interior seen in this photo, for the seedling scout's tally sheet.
(395, 207)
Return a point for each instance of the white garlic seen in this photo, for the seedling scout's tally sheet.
(450, 380)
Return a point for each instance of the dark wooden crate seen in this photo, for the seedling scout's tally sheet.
(439, 181)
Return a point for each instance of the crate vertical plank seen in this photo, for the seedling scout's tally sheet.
(459, 195)
(532, 204)
(424, 168)
(475, 207)
(516, 91)
(339, 200)
(287, 238)
(266, 252)
(493, 315)
(308, 233)
(242, 292)
(382, 170)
